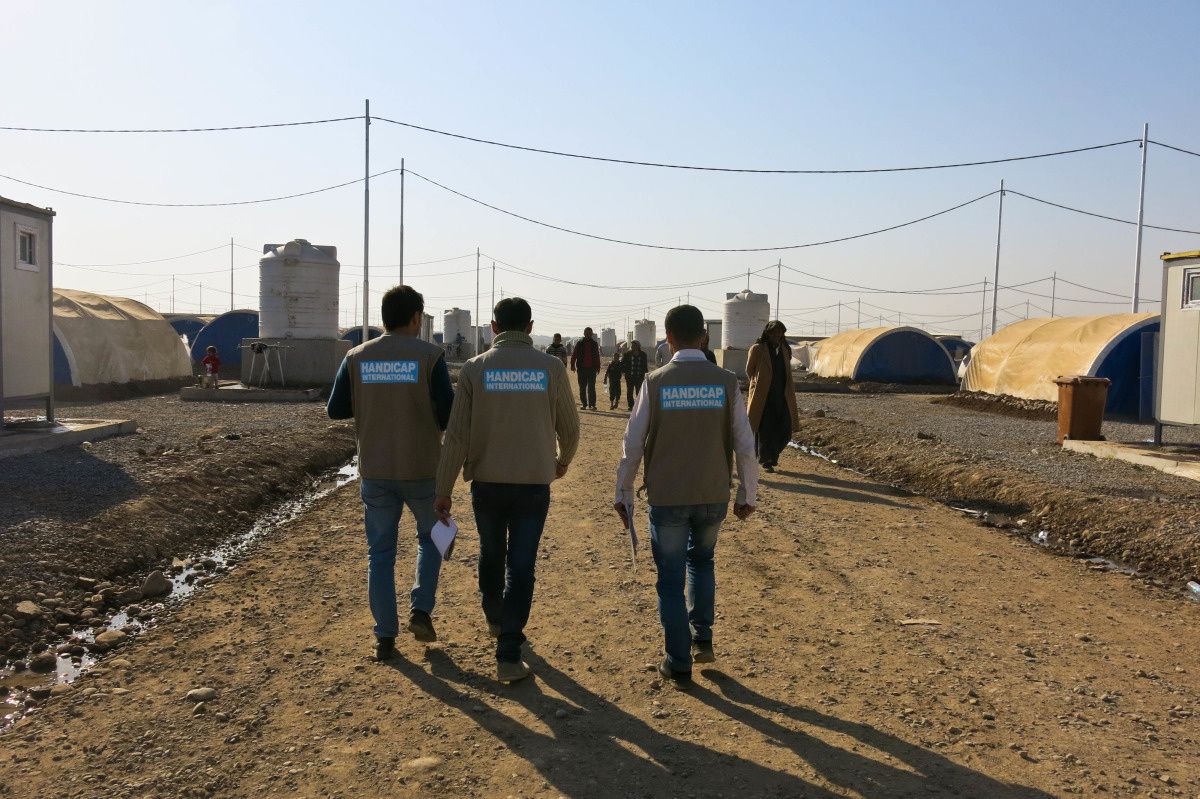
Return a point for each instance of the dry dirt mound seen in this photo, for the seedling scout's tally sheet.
(1041, 410)
(1148, 534)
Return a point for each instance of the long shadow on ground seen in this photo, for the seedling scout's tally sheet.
(835, 488)
(606, 751)
(32, 486)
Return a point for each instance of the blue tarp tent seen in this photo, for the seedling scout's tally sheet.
(885, 355)
(226, 333)
(354, 334)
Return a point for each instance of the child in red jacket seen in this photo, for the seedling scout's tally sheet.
(211, 364)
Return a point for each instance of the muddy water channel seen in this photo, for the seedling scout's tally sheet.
(22, 691)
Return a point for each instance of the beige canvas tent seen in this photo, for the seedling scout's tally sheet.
(1023, 359)
(103, 340)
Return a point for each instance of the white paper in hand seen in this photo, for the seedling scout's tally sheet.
(443, 536)
(633, 537)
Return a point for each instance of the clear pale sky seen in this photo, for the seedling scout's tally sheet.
(786, 85)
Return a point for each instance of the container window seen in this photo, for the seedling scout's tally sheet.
(27, 250)
(1191, 289)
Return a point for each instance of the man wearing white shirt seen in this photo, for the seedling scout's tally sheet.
(689, 423)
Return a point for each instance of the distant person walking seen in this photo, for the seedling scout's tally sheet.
(689, 423)
(585, 362)
(397, 389)
(709, 355)
(514, 430)
(772, 406)
(612, 379)
(636, 368)
(558, 349)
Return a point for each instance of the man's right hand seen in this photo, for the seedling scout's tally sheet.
(623, 512)
(743, 511)
(442, 506)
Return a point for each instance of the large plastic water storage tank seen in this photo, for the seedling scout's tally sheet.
(714, 333)
(645, 332)
(608, 341)
(745, 315)
(455, 323)
(298, 291)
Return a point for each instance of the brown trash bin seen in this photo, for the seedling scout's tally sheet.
(1081, 403)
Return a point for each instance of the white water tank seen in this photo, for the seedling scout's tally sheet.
(298, 291)
(714, 333)
(645, 332)
(457, 322)
(745, 316)
(608, 341)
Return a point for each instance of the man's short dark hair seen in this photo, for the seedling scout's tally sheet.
(512, 313)
(400, 304)
(686, 324)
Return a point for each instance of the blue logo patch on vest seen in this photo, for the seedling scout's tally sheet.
(682, 398)
(387, 371)
(509, 380)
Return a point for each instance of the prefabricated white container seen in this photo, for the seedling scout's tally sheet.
(608, 341)
(426, 327)
(298, 291)
(714, 333)
(745, 315)
(646, 333)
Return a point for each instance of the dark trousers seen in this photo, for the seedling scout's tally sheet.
(633, 388)
(587, 386)
(509, 518)
(614, 390)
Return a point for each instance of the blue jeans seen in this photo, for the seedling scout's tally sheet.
(683, 539)
(510, 518)
(384, 502)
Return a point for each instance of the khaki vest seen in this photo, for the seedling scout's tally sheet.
(513, 388)
(689, 444)
(398, 435)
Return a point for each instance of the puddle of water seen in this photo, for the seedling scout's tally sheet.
(199, 571)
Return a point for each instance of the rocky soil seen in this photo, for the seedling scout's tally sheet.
(85, 527)
(870, 644)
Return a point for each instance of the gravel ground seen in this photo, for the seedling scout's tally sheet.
(1022, 444)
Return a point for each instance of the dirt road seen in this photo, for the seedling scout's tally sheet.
(1030, 676)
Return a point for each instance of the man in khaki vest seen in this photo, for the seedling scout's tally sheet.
(513, 431)
(689, 422)
(397, 389)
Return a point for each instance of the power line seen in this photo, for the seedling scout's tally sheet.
(180, 130)
(521, 271)
(699, 249)
(697, 168)
(140, 263)
(194, 205)
(1098, 216)
(1176, 149)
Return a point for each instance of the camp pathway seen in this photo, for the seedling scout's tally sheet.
(870, 644)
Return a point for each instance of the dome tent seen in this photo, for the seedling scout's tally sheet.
(354, 334)
(226, 333)
(100, 341)
(886, 355)
(188, 325)
(1023, 359)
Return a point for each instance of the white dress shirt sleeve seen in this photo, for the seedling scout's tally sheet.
(633, 447)
(743, 450)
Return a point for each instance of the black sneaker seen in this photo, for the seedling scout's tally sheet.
(702, 652)
(421, 626)
(681, 680)
(385, 649)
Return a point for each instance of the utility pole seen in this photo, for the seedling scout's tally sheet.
(839, 329)
(366, 281)
(478, 329)
(172, 294)
(231, 273)
(1137, 252)
(493, 284)
(859, 324)
(401, 221)
(354, 319)
(996, 284)
(1053, 292)
(983, 309)
(747, 280)
(1026, 308)
(200, 303)
(778, 284)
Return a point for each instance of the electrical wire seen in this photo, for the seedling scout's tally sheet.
(180, 130)
(518, 270)
(1173, 147)
(1098, 216)
(197, 205)
(698, 168)
(140, 263)
(698, 249)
